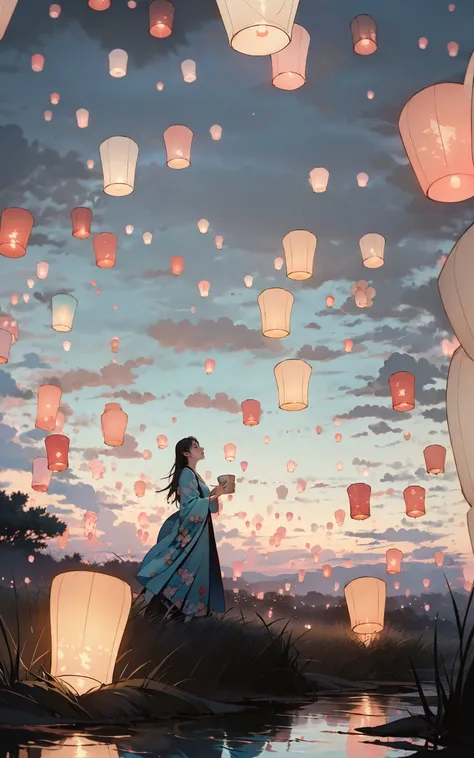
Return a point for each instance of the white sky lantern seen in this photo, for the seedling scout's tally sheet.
(129, 229)
(362, 179)
(119, 157)
(147, 238)
(372, 247)
(216, 132)
(188, 69)
(178, 139)
(203, 225)
(82, 118)
(63, 309)
(292, 378)
(460, 413)
(364, 35)
(248, 281)
(289, 65)
(258, 27)
(275, 308)
(42, 269)
(278, 263)
(6, 12)
(365, 598)
(88, 612)
(318, 178)
(299, 246)
(118, 60)
(435, 127)
(455, 288)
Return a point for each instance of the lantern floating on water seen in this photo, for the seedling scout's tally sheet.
(162, 441)
(82, 118)
(118, 61)
(230, 451)
(118, 156)
(188, 69)
(57, 450)
(178, 139)
(251, 411)
(372, 247)
(348, 345)
(41, 475)
(415, 501)
(365, 598)
(435, 458)
(37, 62)
(42, 269)
(261, 30)
(364, 35)
(204, 288)
(49, 398)
(327, 569)
(114, 424)
(88, 614)
(147, 238)
(459, 409)
(292, 378)
(443, 168)
(216, 132)
(81, 222)
(318, 178)
(5, 345)
(402, 388)
(289, 64)
(63, 309)
(140, 488)
(299, 246)
(15, 229)
(203, 225)
(394, 560)
(54, 10)
(359, 500)
(439, 558)
(275, 309)
(209, 365)
(177, 265)
(362, 179)
(161, 13)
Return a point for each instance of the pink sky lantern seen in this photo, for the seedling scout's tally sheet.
(237, 568)
(251, 412)
(289, 64)
(216, 132)
(5, 345)
(423, 43)
(338, 437)
(362, 179)
(402, 388)
(407, 435)
(57, 450)
(266, 439)
(114, 424)
(161, 14)
(41, 475)
(90, 525)
(177, 265)
(435, 459)
(327, 570)
(330, 300)
(318, 179)
(82, 118)
(203, 225)
(48, 115)
(348, 345)
(14, 298)
(244, 466)
(289, 516)
(230, 451)
(339, 516)
(188, 70)
(359, 500)
(439, 558)
(299, 246)
(99, 5)
(219, 241)
(140, 488)
(37, 62)
(15, 229)
(54, 98)
(105, 249)
(301, 486)
(10, 325)
(204, 288)
(435, 127)
(49, 398)
(364, 34)
(426, 584)
(394, 560)
(115, 344)
(453, 49)
(143, 519)
(162, 441)
(301, 575)
(178, 139)
(54, 10)
(396, 585)
(256, 28)
(415, 501)
(209, 365)
(62, 539)
(318, 429)
(291, 466)
(81, 223)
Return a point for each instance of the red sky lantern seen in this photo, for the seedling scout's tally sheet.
(340, 516)
(161, 18)
(81, 223)
(415, 501)
(327, 570)
(402, 388)
(209, 365)
(177, 265)
(15, 229)
(359, 500)
(57, 450)
(435, 458)
(394, 560)
(251, 411)
(105, 249)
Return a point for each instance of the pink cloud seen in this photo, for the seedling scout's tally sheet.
(207, 334)
(112, 375)
(221, 402)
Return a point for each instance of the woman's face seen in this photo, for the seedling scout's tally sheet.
(196, 452)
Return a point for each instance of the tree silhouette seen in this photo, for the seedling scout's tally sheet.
(26, 528)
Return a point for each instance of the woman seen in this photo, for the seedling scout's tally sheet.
(182, 570)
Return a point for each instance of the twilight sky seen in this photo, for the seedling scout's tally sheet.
(252, 186)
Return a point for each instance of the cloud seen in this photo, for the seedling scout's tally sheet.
(312, 325)
(9, 387)
(31, 360)
(129, 449)
(318, 353)
(383, 428)
(13, 455)
(423, 371)
(112, 375)
(134, 398)
(396, 535)
(221, 402)
(207, 334)
(366, 411)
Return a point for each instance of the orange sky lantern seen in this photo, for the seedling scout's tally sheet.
(415, 501)
(402, 388)
(359, 500)
(364, 34)
(251, 411)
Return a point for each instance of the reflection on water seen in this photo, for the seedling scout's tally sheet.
(324, 728)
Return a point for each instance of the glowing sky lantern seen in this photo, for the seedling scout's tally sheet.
(99, 5)
(364, 35)
(14, 298)
(440, 155)
(362, 179)
(459, 409)
(301, 575)
(82, 118)
(41, 475)
(237, 568)
(63, 309)
(118, 156)
(57, 450)
(426, 584)
(209, 365)
(318, 429)
(48, 115)
(161, 13)
(90, 163)
(359, 500)
(30, 283)
(139, 488)
(248, 281)
(216, 132)
(10, 325)
(115, 344)
(407, 435)
(402, 388)
(6, 12)
(188, 70)
(338, 437)
(203, 225)
(37, 62)
(266, 439)
(415, 501)
(394, 560)
(453, 49)
(318, 178)
(160, 86)
(177, 265)
(230, 451)
(256, 28)
(251, 411)
(54, 10)
(365, 598)
(339, 516)
(15, 229)
(289, 64)
(290, 466)
(299, 246)
(275, 309)
(292, 378)
(363, 294)
(49, 398)
(435, 458)
(81, 222)
(42, 269)
(178, 139)
(118, 61)
(114, 424)
(162, 441)
(372, 247)
(330, 300)
(67, 346)
(439, 558)
(278, 263)
(244, 466)
(204, 288)
(147, 238)
(26, 298)
(348, 345)
(327, 570)
(339, 465)
(422, 43)
(129, 229)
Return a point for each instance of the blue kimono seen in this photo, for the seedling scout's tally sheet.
(183, 567)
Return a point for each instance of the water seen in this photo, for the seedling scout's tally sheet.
(323, 729)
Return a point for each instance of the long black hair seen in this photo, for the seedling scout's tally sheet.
(180, 462)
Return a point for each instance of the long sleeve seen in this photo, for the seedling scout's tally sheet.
(190, 502)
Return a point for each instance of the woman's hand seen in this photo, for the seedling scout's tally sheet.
(217, 492)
